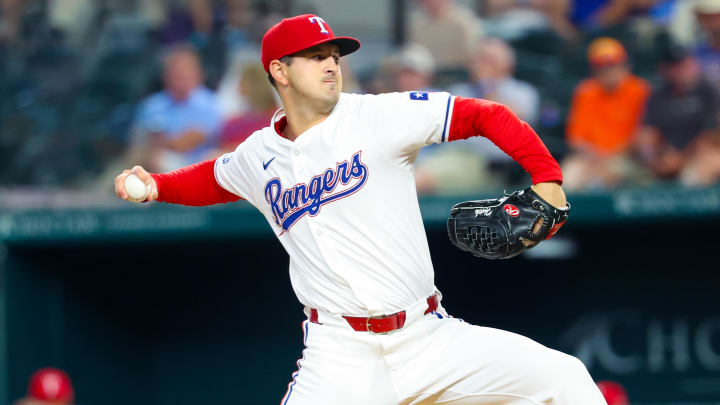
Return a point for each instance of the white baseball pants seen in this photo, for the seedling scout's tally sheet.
(433, 359)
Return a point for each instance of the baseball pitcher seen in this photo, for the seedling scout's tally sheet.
(333, 176)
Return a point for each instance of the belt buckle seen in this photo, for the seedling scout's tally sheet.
(367, 324)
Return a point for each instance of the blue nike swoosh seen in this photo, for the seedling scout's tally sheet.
(265, 165)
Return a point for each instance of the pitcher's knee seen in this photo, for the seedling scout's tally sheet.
(576, 368)
(563, 369)
(573, 384)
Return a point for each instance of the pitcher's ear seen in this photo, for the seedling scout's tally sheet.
(278, 71)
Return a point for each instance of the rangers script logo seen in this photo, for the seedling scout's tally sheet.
(290, 204)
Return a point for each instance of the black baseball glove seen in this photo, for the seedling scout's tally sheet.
(504, 227)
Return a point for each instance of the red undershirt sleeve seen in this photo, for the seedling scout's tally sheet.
(472, 117)
(192, 185)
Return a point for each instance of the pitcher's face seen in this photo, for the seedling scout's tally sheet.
(315, 74)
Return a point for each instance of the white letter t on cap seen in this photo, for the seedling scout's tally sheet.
(319, 22)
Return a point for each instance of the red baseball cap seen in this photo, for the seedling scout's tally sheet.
(301, 32)
(51, 384)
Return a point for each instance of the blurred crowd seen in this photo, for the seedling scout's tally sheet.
(623, 92)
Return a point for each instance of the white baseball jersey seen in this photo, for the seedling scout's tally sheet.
(342, 200)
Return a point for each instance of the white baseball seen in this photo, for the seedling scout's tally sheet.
(137, 190)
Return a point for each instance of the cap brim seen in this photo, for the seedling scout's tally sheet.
(347, 45)
(606, 62)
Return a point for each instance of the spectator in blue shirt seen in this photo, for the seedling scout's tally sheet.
(179, 125)
(593, 14)
(708, 51)
(491, 69)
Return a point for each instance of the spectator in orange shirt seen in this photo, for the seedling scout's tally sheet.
(605, 113)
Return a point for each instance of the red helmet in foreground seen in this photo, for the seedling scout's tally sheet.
(613, 392)
(52, 385)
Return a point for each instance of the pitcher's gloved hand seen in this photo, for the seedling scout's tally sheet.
(501, 228)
